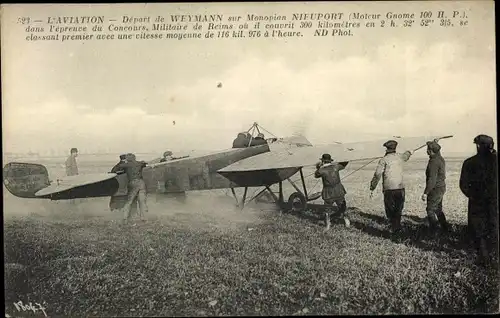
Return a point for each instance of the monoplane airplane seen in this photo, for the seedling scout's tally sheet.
(254, 166)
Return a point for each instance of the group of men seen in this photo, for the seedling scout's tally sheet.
(478, 182)
(244, 140)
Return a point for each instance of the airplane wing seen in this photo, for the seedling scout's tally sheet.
(257, 170)
(78, 183)
(30, 180)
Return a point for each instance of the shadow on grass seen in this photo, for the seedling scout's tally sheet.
(414, 231)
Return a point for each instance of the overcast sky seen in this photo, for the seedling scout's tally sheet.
(125, 95)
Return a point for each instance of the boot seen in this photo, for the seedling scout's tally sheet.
(327, 220)
(442, 221)
(397, 235)
(483, 256)
(347, 222)
(433, 227)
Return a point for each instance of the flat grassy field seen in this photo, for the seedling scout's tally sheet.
(204, 257)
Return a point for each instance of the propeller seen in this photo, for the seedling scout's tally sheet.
(436, 140)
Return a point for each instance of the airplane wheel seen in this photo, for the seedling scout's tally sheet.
(297, 202)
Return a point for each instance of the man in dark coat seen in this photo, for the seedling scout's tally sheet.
(71, 165)
(116, 168)
(118, 202)
(478, 182)
(435, 187)
(241, 141)
(333, 190)
(259, 140)
(136, 186)
(167, 156)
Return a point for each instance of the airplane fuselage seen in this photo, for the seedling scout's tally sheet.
(175, 176)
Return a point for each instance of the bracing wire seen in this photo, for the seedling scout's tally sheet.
(358, 168)
(267, 131)
(344, 177)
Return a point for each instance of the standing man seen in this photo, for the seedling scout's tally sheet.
(72, 170)
(478, 182)
(333, 190)
(390, 167)
(136, 186)
(117, 202)
(435, 186)
(71, 166)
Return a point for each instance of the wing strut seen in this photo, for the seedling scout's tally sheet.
(244, 198)
(278, 199)
(242, 203)
(258, 194)
(295, 186)
(234, 195)
(281, 192)
(303, 182)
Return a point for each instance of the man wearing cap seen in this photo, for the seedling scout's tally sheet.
(117, 168)
(72, 169)
(478, 182)
(117, 202)
(167, 156)
(435, 186)
(71, 166)
(136, 185)
(333, 190)
(259, 140)
(390, 168)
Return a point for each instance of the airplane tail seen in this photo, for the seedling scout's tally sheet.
(25, 179)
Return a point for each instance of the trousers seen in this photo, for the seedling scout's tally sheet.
(394, 201)
(342, 207)
(434, 209)
(136, 190)
(483, 218)
(341, 204)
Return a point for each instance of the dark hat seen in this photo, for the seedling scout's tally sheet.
(73, 150)
(484, 140)
(433, 146)
(167, 153)
(123, 157)
(326, 157)
(391, 144)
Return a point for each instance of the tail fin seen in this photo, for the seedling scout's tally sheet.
(25, 179)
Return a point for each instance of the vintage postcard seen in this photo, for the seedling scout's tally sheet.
(249, 158)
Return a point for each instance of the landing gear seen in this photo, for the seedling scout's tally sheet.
(297, 201)
(242, 205)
